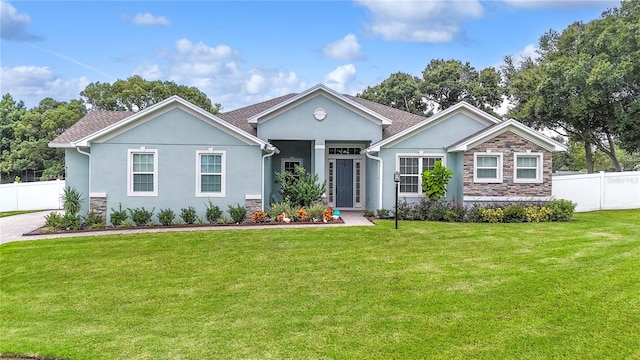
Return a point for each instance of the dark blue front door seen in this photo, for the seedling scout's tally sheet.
(344, 183)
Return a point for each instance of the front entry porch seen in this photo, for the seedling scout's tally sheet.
(340, 165)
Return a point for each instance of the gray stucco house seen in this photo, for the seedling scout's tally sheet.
(174, 154)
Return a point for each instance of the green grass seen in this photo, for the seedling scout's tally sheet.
(12, 213)
(426, 290)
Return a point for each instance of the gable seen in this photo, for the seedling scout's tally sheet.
(441, 133)
(342, 121)
(175, 126)
(454, 123)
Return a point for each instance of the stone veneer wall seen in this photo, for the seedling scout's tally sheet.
(98, 204)
(252, 205)
(507, 143)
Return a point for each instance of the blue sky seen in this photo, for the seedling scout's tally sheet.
(243, 52)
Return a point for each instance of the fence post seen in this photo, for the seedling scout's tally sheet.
(602, 189)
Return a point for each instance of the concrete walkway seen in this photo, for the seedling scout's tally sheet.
(12, 227)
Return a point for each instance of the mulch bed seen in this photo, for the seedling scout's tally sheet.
(46, 231)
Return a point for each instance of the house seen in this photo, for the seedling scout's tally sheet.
(174, 154)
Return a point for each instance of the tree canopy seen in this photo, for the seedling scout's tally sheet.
(136, 93)
(444, 83)
(584, 84)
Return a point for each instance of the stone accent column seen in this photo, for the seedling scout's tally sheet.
(98, 204)
(252, 203)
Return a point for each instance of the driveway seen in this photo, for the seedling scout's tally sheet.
(12, 227)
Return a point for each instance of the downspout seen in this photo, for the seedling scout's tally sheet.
(380, 172)
(274, 151)
(88, 155)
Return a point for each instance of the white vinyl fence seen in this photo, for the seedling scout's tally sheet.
(39, 195)
(601, 191)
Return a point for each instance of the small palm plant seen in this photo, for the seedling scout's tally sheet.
(72, 201)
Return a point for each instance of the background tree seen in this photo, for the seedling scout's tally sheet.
(136, 93)
(447, 82)
(28, 155)
(584, 84)
(400, 91)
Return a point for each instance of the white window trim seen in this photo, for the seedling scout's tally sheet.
(142, 150)
(283, 160)
(499, 172)
(223, 181)
(418, 155)
(539, 169)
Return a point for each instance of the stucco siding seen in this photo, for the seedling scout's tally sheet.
(440, 135)
(174, 127)
(77, 174)
(340, 124)
(176, 136)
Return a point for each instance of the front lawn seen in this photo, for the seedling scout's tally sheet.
(426, 290)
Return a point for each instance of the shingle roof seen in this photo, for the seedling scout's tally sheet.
(92, 122)
(400, 119)
(97, 120)
(239, 117)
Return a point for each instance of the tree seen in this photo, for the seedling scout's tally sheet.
(400, 91)
(10, 112)
(28, 149)
(447, 82)
(585, 84)
(136, 93)
(434, 182)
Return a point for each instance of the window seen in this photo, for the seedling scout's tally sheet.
(527, 168)
(210, 173)
(142, 179)
(289, 164)
(487, 167)
(411, 169)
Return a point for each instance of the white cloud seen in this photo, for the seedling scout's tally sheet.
(346, 49)
(148, 19)
(341, 79)
(217, 71)
(13, 25)
(34, 83)
(420, 21)
(561, 4)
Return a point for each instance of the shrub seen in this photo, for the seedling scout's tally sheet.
(455, 212)
(72, 201)
(118, 216)
(492, 215)
(301, 215)
(278, 208)
(327, 214)
(369, 213)
(474, 213)
(537, 213)
(561, 210)
(315, 211)
(213, 213)
(93, 220)
(514, 214)
(437, 211)
(237, 213)
(300, 188)
(408, 211)
(259, 216)
(188, 215)
(166, 217)
(141, 216)
(434, 182)
(383, 213)
(54, 220)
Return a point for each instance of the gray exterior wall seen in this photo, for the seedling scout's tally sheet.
(177, 136)
(341, 124)
(431, 141)
(77, 174)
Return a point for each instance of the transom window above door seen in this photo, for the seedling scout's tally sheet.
(411, 168)
(345, 150)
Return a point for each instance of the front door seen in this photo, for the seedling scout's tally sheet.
(344, 183)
